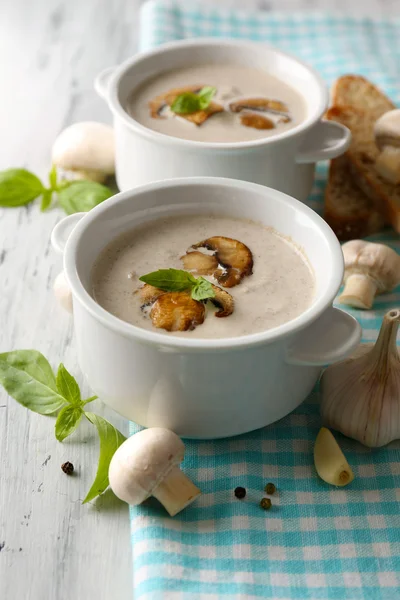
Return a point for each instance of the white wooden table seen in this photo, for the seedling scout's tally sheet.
(52, 547)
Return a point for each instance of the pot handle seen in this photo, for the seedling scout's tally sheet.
(101, 83)
(62, 231)
(329, 339)
(327, 139)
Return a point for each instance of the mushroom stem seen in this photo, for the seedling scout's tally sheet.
(359, 291)
(176, 491)
(91, 174)
(388, 164)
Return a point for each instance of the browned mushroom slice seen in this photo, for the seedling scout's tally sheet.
(235, 257)
(200, 263)
(177, 311)
(167, 99)
(172, 94)
(256, 121)
(258, 104)
(157, 104)
(202, 115)
(223, 301)
(149, 294)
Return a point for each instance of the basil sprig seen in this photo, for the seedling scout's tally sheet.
(110, 440)
(19, 187)
(189, 102)
(28, 377)
(177, 280)
(82, 196)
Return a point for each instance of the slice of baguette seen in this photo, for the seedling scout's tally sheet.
(358, 92)
(362, 155)
(349, 212)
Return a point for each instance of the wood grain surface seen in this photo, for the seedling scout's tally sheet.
(52, 547)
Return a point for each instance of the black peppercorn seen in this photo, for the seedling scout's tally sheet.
(68, 468)
(240, 492)
(266, 503)
(270, 488)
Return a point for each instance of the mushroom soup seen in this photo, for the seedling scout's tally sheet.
(259, 279)
(234, 104)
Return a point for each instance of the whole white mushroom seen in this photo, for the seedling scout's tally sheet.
(87, 150)
(62, 292)
(147, 464)
(370, 269)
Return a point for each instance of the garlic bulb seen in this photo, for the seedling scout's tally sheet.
(361, 395)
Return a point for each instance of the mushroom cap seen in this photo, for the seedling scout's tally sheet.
(223, 301)
(378, 261)
(177, 311)
(235, 258)
(387, 129)
(142, 462)
(258, 104)
(62, 292)
(86, 146)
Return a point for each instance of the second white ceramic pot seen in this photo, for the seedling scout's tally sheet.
(204, 388)
(285, 161)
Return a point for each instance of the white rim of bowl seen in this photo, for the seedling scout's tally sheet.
(197, 344)
(118, 110)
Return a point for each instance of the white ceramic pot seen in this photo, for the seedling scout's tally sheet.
(198, 387)
(285, 161)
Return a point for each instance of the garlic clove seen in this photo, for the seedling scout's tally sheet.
(86, 150)
(62, 292)
(329, 460)
(360, 396)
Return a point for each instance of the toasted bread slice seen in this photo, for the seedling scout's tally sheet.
(358, 92)
(349, 212)
(362, 155)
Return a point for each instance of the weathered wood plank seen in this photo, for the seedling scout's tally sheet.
(52, 547)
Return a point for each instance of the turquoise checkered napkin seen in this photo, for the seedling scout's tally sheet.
(317, 542)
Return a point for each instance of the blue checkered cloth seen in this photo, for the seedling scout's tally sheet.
(317, 542)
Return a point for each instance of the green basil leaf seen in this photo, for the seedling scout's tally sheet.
(53, 178)
(27, 376)
(186, 103)
(46, 200)
(170, 280)
(189, 102)
(82, 196)
(110, 440)
(202, 290)
(67, 421)
(206, 95)
(19, 187)
(67, 386)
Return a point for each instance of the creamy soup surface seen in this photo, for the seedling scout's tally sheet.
(280, 288)
(232, 82)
